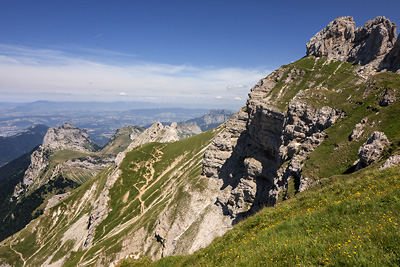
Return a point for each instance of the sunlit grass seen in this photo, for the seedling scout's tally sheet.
(348, 220)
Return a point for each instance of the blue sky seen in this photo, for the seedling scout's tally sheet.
(192, 53)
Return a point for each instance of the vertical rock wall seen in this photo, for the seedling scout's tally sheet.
(249, 154)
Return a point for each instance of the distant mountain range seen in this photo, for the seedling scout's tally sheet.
(101, 119)
(212, 119)
(100, 127)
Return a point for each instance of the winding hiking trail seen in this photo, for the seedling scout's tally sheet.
(16, 252)
(149, 176)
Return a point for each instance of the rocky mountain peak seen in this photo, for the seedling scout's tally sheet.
(156, 133)
(335, 41)
(68, 136)
(370, 44)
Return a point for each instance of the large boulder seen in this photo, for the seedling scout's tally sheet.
(371, 151)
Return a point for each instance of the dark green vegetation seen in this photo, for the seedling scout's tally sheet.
(10, 175)
(347, 220)
(16, 214)
(14, 146)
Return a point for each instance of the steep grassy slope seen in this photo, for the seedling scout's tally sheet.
(319, 78)
(347, 220)
(154, 177)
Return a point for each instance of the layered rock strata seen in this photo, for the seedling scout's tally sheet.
(249, 154)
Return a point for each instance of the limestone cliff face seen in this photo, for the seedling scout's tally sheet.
(370, 44)
(264, 146)
(391, 61)
(68, 136)
(249, 154)
(39, 161)
(188, 129)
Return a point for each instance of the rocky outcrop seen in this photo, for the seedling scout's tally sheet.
(302, 133)
(341, 40)
(392, 161)
(335, 41)
(222, 146)
(136, 132)
(358, 130)
(371, 151)
(156, 133)
(100, 208)
(39, 161)
(388, 97)
(63, 137)
(54, 200)
(90, 162)
(391, 61)
(249, 154)
(68, 136)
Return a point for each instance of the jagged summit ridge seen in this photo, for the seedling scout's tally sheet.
(371, 44)
(68, 136)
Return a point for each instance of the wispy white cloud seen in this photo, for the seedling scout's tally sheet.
(45, 73)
